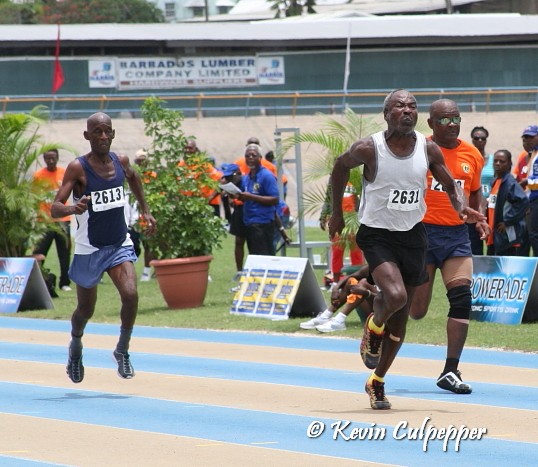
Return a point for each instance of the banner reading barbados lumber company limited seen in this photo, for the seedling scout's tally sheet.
(503, 288)
(187, 72)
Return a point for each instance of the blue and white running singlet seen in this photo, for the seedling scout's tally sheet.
(103, 224)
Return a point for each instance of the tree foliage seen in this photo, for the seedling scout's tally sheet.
(289, 8)
(100, 11)
(14, 13)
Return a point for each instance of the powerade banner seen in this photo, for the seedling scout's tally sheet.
(503, 287)
(22, 286)
(272, 287)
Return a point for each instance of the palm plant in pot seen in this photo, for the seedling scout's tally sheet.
(187, 229)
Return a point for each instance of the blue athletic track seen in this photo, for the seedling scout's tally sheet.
(240, 398)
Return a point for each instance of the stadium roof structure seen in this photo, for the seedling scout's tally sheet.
(369, 31)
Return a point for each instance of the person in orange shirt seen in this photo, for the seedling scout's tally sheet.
(449, 247)
(51, 176)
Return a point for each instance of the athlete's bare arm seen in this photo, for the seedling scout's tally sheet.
(74, 182)
(361, 152)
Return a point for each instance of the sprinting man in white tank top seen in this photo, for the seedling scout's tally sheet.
(395, 163)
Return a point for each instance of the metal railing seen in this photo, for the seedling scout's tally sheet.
(209, 104)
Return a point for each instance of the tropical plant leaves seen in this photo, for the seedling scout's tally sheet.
(20, 148)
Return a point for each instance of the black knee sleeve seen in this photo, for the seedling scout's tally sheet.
(459, 299)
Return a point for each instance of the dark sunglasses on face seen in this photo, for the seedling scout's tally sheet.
(479, 138)
(447, 120)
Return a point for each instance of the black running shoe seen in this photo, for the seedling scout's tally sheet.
(371, 346)
(376, 391)
(451, 381)
(75, 369)
(125, 369)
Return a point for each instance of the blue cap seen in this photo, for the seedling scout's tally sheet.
(531, 130)
(229, 169)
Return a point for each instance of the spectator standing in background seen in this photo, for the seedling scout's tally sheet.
(260, 197)
(530, 143)
(479, 138)
(239, 246)
(529, 139)
(232, 174)
(241, 162)
(507, 206)
(52, 176)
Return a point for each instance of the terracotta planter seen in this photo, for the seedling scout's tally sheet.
(183, 281)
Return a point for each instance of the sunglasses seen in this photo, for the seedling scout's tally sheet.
(447, 120)
(479, 138)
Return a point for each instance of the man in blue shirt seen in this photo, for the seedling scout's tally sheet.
(260, 198)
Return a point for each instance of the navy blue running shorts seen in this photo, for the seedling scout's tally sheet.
(87, 270)
(447, 241)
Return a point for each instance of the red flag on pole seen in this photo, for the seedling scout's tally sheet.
(58, 76)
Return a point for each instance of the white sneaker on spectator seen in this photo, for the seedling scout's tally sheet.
(312, 323)
(66, 288)
(145, 278)
(331, 326)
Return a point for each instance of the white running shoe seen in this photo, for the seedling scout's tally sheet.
(66, 288)
(311, 324)
(331, 326)
(452, 382)
(145, 278)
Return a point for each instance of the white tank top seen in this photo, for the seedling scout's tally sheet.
(394, 200)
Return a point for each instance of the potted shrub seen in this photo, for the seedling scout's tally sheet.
(187, 229)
